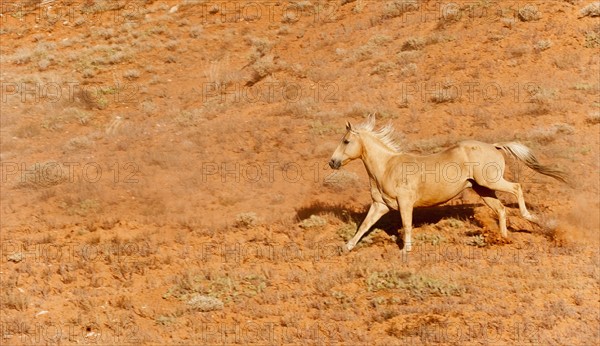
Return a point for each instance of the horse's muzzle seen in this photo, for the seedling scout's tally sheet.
(334, 164)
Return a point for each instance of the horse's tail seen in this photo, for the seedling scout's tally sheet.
(525, 154)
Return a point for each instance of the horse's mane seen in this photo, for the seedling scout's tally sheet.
(385, 134)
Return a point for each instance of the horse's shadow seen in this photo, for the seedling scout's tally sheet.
(391, 222)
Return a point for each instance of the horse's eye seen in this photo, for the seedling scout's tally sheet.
(346, 141)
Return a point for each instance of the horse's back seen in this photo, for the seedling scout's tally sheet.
(481, 152)
(463, 151)
(439, 177)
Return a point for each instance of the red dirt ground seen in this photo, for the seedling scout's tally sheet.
(165, 178)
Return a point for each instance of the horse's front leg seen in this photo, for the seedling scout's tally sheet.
(406, 213)
(376, 211)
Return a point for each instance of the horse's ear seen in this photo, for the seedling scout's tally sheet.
(348, 126)
(371, 118)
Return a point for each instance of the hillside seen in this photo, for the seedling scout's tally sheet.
(155, 153)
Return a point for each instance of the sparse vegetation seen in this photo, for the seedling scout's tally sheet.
(542, 45)
(593, 117)
(418, 285)
(204, 303)
(246, 219)
(196, 32)
(313, 221)
(444, 95)
(78, 143)
(358, 8)
(384, 68)
(210, 293)
(397, 8)
(477, 240)
(592, 39)
(216, 219)
(508, 22)
(546, 135)
(450, 13)
(529, 13)
(431, 239)
(132, 74)
(414, 43)
(591, 10)
(13, 299)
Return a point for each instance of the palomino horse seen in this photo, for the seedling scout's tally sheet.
(403, 181)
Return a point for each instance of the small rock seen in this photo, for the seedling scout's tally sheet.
(174, 9)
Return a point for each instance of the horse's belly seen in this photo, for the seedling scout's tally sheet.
(437, 194)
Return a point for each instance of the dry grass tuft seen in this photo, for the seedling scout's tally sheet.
(542, 45)
(420, 286)
(529, 13)
(414, 43)
(397, 8)
(547, 135)
(14, 299)
(314, 221)
(591, 10)
(204, 303)
(593, 118)
(246, 220)
(592, 38)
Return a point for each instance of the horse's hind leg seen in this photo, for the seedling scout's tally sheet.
(489, 197)
(515, 189)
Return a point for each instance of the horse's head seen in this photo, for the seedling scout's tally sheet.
(350, 148)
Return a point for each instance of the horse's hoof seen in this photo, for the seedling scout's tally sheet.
(348, 247)
(404, 255)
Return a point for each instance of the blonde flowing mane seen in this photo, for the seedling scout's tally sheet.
(386, 134)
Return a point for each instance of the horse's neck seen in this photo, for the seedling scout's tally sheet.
(375, 157)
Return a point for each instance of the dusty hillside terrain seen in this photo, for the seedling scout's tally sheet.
(165, 178)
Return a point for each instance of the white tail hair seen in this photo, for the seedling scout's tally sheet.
(524, 154)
